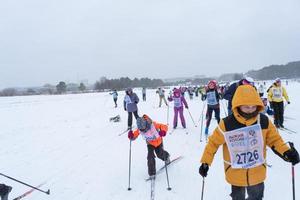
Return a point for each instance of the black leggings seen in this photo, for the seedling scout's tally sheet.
(130, 117)
(278, 113)
(209, 115)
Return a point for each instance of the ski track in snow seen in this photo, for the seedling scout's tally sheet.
(68, 141)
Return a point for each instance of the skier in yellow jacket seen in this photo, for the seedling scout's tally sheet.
(275, 96)
(244, 135)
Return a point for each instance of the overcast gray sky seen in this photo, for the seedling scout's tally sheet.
(45, 41)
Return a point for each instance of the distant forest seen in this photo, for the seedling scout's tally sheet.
(288, 71)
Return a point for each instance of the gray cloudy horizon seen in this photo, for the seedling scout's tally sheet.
(62, 40)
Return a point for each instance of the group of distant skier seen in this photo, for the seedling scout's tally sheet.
(244, 133)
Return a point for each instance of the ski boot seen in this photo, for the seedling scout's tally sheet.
(168, 161)
(206, 131)
(5, 190)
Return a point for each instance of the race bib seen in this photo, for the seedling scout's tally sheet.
(277, 93)
(245, 147)
(177, 102)
(151, 134)
(211, 98)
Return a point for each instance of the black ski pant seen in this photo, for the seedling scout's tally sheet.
(160, 153)
(144, 97)
(115, 100)
(209, 112)
(278, 113)
(255, 192)
(130, 117)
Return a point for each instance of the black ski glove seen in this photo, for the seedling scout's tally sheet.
(203, 169)
(292, 156)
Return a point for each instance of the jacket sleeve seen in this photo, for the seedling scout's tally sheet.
(184, 101)
(270, 94)
(284, 93)
(274, 140)
(229, 93)
(214, 141)
(124, 103)
(136, 98)
(217, 95)
(162, 127)
(170, 98)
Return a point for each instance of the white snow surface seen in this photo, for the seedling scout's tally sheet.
(68, 142)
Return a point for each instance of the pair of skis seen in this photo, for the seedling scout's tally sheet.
(152, 178)
(287, 130)
(25, 194)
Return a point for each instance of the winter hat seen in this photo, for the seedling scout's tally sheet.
(177, 92)
(248, 80)
(128, 90)
(143, 123)
(212, 84)
(277, 80)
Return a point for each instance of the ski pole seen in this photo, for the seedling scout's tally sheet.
(129, 173)
(168, 116)
(201, 113)
(293, 181)
(166, 167)
(192, 118)
(203, 182)
(46, 192)
(224, 109)
(293, 173)
(201, 123)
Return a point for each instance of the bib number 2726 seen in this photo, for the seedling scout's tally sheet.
(243, 158)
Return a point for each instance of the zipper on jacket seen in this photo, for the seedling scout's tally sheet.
(247, 175)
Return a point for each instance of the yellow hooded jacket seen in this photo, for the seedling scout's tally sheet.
(244, 95)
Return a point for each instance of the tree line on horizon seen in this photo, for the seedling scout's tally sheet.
(288, 71)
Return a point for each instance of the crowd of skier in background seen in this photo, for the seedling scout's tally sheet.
(250, 111)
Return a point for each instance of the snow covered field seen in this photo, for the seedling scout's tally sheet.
(68, 142)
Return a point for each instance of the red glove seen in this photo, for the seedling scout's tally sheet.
(162, 133)
(130, 135)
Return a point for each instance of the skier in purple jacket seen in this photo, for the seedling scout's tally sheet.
(179, 100)
(130, 105)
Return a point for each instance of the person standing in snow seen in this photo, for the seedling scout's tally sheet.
(213, 103)
(114, 93)
(144, 93)
(275, 96)
(229, 93)
(179, 101)
(161, 94)
(191, 92)
(130, 105)
(4, 191)
(261, 90)
(152, 132)
(244, 136)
